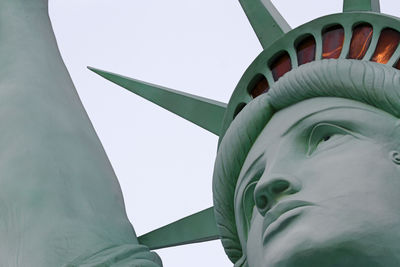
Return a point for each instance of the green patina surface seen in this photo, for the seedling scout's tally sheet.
(201, 111)
(290, 148)
(60, 201)
(361, 5)
(261, 65)
(267, 22)
(259, 13)
(195, 228)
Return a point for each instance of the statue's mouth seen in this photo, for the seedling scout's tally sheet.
(280, 209)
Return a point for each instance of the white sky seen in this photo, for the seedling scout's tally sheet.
(164, 163)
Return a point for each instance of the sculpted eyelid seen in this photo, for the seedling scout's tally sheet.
(322, 111)
(320, 130)
(333, 126)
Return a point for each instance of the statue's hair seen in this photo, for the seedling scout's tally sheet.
(368, 82)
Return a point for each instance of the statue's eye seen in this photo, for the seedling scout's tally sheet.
(326, 136)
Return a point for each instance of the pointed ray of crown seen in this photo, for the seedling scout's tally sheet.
(195, 228)
(361, 5)
(363, 35)
(206, 113)
(261, 13)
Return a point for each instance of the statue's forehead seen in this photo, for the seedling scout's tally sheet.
(295, 118)
(331, 107)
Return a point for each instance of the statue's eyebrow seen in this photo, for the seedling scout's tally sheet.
(319, 111)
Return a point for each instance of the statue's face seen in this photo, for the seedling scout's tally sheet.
(328, 190)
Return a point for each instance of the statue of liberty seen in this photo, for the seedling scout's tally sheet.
(308, 158)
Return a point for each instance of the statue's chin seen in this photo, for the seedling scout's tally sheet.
(332, 257)
(322, 238)
(338, 255)
(342, 251)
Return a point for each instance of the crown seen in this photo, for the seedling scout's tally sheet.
(361, 35)
(361, 32)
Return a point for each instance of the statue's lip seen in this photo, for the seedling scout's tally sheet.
(281, 208)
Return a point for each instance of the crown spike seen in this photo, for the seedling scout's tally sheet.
(361, 5)
(266, 20)
(199, 227)
(204, 112)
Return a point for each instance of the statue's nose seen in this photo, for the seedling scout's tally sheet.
(272, 187)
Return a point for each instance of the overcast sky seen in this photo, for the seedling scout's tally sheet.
(164, 163)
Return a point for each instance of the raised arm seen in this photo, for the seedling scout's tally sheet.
(60, 201)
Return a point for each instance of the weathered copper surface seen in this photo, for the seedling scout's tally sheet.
(362, 35)
(397, 66)
(261, 86)
(280, 66)
(306, 50)
(387, 44)
(333, 39)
